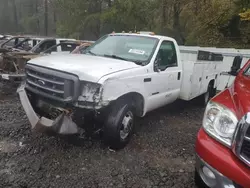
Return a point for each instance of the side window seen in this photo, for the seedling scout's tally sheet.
(10, 43)
(166, 56)
(44, 45)
(49, 44)
(53, 48)
(68, 47)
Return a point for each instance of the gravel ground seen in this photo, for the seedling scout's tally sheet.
(161, 154)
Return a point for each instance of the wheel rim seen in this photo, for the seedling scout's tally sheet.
(127, 124)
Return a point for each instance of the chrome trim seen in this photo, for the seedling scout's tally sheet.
(45, 79)
(240, 137)
(247, 138)
(46, 88)
(67, 85)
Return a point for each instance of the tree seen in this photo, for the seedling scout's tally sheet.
(46, 17)
(191, 22)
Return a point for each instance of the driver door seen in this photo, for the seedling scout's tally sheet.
(166, 78)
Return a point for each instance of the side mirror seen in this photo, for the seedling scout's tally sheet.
(156, 65)
(236, 66)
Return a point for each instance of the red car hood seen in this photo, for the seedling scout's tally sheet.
(237, 97)
(241, 94)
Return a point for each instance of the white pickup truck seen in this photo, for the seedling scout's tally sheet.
(119, 77)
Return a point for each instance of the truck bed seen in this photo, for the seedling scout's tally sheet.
(199, 69)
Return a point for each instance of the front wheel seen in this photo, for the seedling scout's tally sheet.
(119, 125)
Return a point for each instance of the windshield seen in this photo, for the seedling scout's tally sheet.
(138, 49)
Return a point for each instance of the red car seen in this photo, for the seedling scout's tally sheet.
(223, 142)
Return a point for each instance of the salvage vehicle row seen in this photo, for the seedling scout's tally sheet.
(16, 51)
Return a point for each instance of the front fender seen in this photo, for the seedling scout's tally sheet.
(114, 88)
(226, 99)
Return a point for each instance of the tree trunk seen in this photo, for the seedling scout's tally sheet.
(46, 24)
(164, 16)
(176, 22)
(196, 7)
(15, 15)
(37, 18)
(55, 20)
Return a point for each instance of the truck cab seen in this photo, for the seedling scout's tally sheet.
(63, 47)
(51, 43)
(119, 77)
(223, 142)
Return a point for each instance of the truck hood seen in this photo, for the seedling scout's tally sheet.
(236, 97)
(241, 94)
(86, 67)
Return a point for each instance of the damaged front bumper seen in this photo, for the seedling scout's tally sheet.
(61, 125)
(12, 77)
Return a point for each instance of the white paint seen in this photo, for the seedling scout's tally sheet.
(229, 55)
(86, 67)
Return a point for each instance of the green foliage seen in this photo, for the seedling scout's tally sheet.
(245, 15)
(223, 23)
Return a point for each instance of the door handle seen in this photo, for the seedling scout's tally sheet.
(179, 75)
(147, 79)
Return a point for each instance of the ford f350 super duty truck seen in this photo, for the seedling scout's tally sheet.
(119, 77)
(223, 142)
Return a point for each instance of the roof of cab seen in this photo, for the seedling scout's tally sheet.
(40, 37)
(144, 35)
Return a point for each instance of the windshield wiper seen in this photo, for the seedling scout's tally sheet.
(115, 57)
(121, 58)
(91, 53)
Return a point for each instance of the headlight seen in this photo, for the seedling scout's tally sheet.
(90, 91)
(220, 123)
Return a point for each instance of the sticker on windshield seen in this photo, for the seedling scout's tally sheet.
(135, 51)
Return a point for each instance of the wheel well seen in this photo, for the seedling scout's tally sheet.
(137, 101)
(214, 89)
(212, 82)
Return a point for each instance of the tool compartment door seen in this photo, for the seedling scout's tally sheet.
(196, 80)
(210, 73)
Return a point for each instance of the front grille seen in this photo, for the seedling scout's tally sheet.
(248, 133)
(52, 84)
(242, 140)
(245, 150)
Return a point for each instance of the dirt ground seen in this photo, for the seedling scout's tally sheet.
(161, 153)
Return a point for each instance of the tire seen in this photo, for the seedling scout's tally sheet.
(119, 125)
(198, 181)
